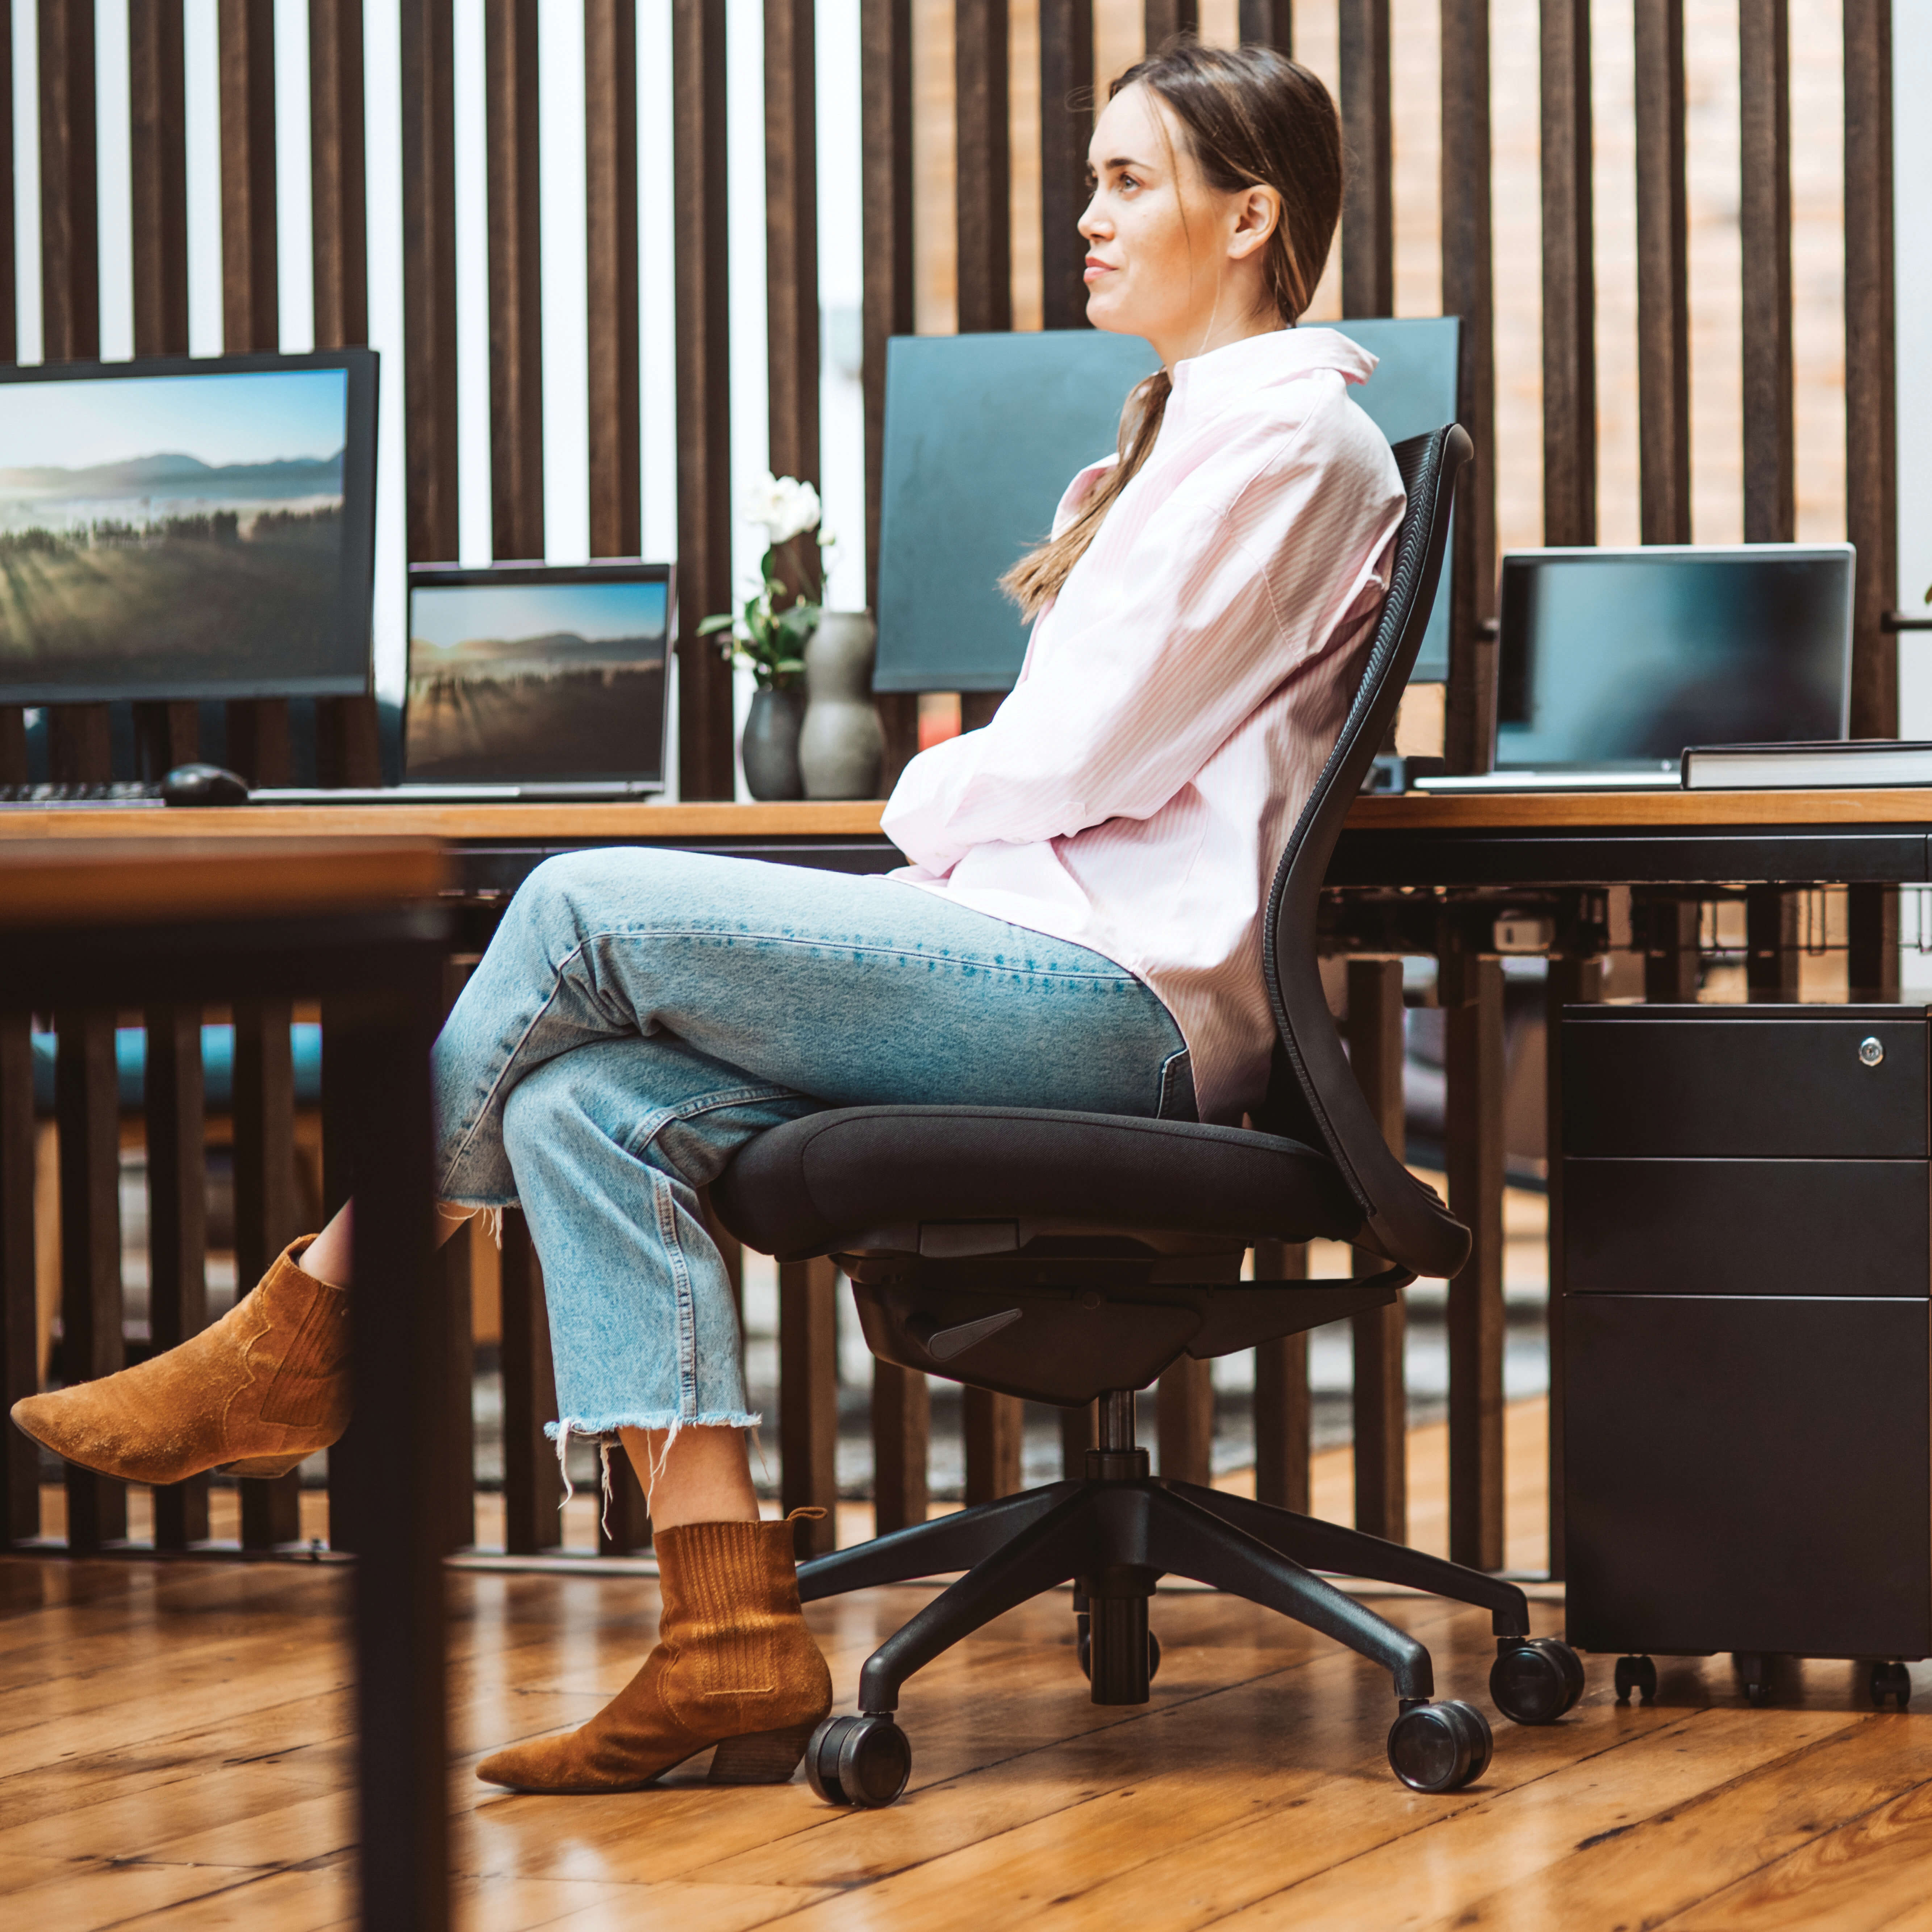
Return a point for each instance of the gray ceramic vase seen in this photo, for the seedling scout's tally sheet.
(842, 746)
(769, 746)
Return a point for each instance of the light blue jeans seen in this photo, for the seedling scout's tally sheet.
(641, 1015)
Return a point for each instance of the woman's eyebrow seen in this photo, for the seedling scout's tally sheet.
(1120, 161)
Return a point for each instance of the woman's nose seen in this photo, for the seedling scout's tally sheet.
(1093, 224)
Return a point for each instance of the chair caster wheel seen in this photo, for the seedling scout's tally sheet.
(1889, 1682)
(863, 1761)
(1439, 1747)
(1638, 1674)
(1083, 1646)
(1535, 1679)
(1754, 1670)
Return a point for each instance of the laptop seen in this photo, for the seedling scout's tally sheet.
(1611, 662)
(529, 682)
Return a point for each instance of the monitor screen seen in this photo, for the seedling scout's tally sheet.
(1620, 659)
(523, 673)
(184, 529)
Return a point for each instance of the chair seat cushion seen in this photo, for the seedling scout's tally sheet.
(812, 1186)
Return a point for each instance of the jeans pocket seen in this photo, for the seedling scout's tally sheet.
(1177, 1088)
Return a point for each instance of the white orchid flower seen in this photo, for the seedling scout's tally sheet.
(783, 506)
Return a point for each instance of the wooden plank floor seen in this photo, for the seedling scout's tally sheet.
(174, 1753)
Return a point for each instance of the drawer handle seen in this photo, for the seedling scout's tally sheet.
(1870, 1051)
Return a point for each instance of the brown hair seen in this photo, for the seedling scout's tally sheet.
(1253, 118)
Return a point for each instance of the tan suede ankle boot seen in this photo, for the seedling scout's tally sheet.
(734, 1666)
(257, 1390)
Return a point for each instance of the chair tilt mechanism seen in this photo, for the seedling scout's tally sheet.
(1063, 1257)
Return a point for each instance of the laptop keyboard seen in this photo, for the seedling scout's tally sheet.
(125, 793)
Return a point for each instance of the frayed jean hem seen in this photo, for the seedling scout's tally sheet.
(604, 1431)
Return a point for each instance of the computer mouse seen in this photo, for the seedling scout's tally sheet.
(203, 785)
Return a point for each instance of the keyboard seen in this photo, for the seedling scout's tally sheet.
(126, 793)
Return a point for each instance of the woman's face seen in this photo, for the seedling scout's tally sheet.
(1168, 257)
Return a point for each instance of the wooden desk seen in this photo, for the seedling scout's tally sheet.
(90, 925)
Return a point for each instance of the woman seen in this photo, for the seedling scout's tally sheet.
(1079, 927)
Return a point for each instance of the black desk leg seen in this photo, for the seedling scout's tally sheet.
(397, 1456)
(1871, 918)
(19, 1327)
(1771, 940)
(87, 1102)
(1571, 982)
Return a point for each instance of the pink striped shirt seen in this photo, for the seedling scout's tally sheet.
(1179, 698)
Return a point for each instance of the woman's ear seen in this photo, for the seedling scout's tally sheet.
(1257, 215)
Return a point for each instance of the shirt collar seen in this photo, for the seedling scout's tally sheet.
(1205, 384)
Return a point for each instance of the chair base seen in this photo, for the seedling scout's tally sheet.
(1115, 1534)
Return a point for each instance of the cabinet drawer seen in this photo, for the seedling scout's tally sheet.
(1747, 1474)
(1763, 1089)
(1747, 1227)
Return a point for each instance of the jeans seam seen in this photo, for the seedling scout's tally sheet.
(663, 1191)
(1119, 976)
(699, 1104)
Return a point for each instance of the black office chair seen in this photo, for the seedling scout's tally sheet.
(1064, 1256)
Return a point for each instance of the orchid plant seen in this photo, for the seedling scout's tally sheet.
(766, 636)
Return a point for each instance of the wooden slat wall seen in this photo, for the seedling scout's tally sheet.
(1468, 291)
(1662, 277)
(516, 280)
(1871, 410)
(1368, 205)
(791, 263)
(705, 768)
(611, 148)
(1569, 278)
(1764, 175)
(429, 279)
(1066, 83)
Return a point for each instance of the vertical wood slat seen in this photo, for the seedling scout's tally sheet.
(1184, 1421)
(993, 1425)
(78, 749)
(1569, 278)
(19, 1340)
(259, 743)
(347, 748)
(1079, 1432)
(1764, 38)
(1066, 122)
(705, 768)
(450, 1282)
(516, 280)
(1571, 981)
(984, 175)
(172, 1101)
(87, 1104)
(1771, 941)
(9, 346)
(610, 152)
(165, 733)
(429, 279)
(1368, 202)
(1665, 925)
(1871, 411)
(338, 1186)
(1165, 19)
(265, 1214)
(1283, 1414)
(885, 92)
(791, 265)
(901, 1440)
(1663, 285)
(1872, 939)
(809, 1399)
(1375, 1055)
(1468, 292)
(1470, 988)
(1268, 23)
(532, 1485)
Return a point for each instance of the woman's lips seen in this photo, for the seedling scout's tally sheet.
(1096, 268)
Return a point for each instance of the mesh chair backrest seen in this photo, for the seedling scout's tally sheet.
(1313, 1093)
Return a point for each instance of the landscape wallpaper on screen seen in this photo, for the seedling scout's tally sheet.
(557, 681)
(189, 527)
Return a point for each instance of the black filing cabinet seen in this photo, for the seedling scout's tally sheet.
(1748, 1362)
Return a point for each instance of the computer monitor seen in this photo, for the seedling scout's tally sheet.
(179, 528)
(1619, 659)
(537, 674)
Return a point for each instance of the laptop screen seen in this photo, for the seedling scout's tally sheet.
(529, 674)
(1619, 660)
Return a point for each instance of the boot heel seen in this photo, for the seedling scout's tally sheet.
(760, 1757)
(266, 1467)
